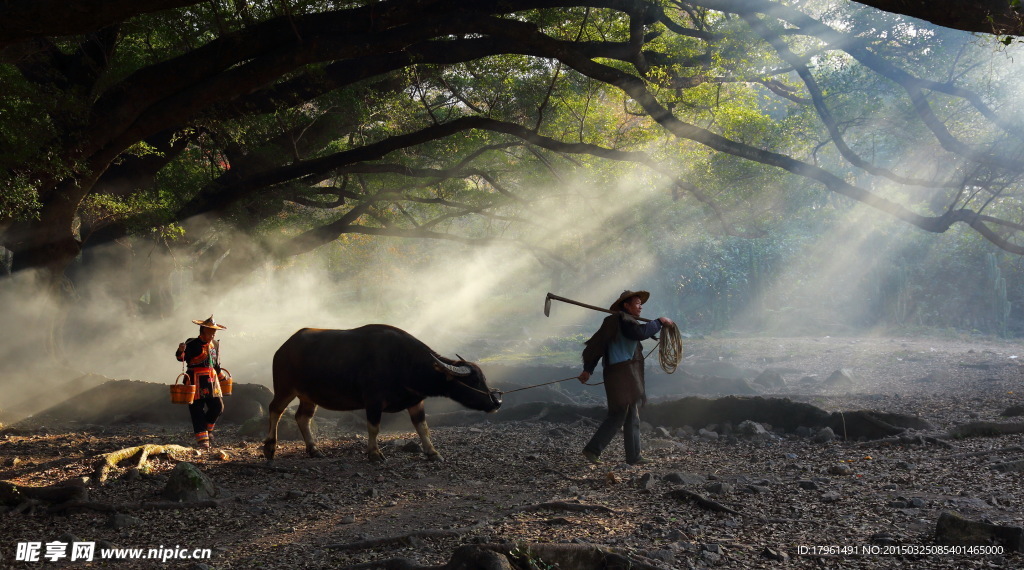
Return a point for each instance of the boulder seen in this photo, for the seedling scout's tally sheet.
(187, 483)
(842, 378)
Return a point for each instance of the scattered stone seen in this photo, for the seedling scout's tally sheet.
(830, 498)
(662, 555)
(952, 529)
(807, 485)
(412, 447)
(751, 429)
(841, 470)
(294, 494)
(824, 435)
(685, 478)
(708, 435)
(776, 554)
(646, 482)
(719, 488)
(712, 548)
(120, 520)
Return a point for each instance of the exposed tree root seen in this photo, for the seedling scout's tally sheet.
(406, 539)
(513, 556)
(140, 453)
(23, 498)
(12, 494)
(1011, 449)
(700, 501)
(918, 439)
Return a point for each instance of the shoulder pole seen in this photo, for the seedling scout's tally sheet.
(552, 296)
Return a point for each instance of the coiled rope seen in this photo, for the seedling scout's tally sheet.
(670, 348)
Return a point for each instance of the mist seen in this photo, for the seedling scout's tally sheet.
(457, 298)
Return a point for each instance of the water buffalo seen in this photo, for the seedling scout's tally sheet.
(378, 368)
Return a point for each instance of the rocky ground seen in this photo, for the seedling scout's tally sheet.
(728, 501)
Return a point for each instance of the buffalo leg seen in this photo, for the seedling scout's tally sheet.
(302, 417)
(274, 413)
(373, 415)
(418, 415)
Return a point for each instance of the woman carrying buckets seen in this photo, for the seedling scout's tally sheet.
(202, 360)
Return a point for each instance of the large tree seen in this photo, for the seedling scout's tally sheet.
(396, 117)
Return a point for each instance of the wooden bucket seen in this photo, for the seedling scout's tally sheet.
(182, 393)
(226, 383)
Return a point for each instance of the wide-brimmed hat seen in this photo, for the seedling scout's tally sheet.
(627, 294)
(209, 323)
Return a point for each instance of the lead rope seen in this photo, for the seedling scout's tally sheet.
(552, 382)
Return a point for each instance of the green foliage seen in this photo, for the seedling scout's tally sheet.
(725, 83)
(148, 215)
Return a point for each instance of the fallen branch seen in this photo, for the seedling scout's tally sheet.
(567, 506)
(700, 501)
(76, 506)
(908, 440)
(406, 539)
(140, 453)
(985, 429)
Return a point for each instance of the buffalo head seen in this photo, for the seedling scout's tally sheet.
(467, 385)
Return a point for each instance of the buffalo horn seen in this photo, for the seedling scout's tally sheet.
(456, 370)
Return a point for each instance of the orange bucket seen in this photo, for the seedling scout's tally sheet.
(182, 393)
(226, 383)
